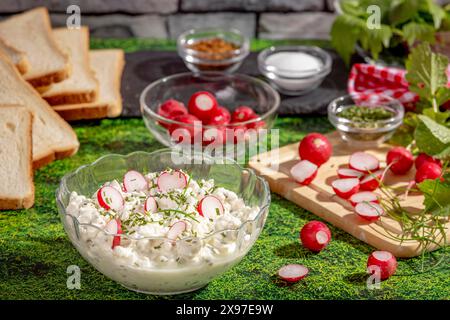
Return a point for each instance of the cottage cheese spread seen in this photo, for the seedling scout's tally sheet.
(162, 224)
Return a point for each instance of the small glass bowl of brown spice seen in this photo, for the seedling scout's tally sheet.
(213, 49)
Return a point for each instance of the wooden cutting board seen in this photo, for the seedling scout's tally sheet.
(320, 199)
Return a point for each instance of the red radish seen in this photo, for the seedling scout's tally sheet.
(172, 108)
(150, 205)
(364, 196)
(304, 172)
(344, 173)
(293, 272)
(400, 159)
(210, 207)
(370, 211)
(213, 135)
(315, 235)
(171, 180)
(256, 125)
(134, 181)
(315, 148)
(371, 181)
(424, 158)
(385, 261)
(242, 113)
(363, 162)
(202, 104)
(110, 198)
(220, 117)
(114, 227)
(185, 133)
(345, 188)
(176, 230)
(428, 170)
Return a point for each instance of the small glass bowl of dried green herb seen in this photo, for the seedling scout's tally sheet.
(365, 124)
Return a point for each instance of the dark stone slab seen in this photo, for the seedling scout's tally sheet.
(252, 5)
(144, 67)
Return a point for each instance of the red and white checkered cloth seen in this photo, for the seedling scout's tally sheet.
(369, 81)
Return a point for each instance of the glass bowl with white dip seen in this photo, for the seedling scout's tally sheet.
(140, 245)
(294, 70)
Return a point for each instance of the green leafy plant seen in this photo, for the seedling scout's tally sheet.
(402, 23)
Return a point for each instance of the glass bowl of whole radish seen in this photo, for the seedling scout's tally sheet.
(213, 112)
(163, 222)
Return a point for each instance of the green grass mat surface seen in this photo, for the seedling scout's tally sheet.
(35, 252)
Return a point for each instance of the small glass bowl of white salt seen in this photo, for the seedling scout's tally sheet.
(294, 70)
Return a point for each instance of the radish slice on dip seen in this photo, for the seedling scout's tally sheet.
(293, 272)
(134, 181)
(363, 162)
(176, 230)
(345, 188)
(345, 173)
(110, 198)
(150, 205)
(383, 262)
(202, 104)
(304, 172)
(369, 211)
(171, 180)
(210, 207)
(114, 227)
(315, 235)
(364, 196)
(371, 181)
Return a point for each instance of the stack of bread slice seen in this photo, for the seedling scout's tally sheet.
(46, 75)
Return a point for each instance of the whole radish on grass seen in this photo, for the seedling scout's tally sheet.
(315, 235)
(382, 261)
(400, 160)
(315, 148)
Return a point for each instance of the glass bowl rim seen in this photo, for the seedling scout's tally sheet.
(320, 72)
(386, 124)
(238, 54)
(63, 187)
(266, 86)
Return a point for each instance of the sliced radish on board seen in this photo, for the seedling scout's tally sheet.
(371, 181)
(383, 262)
(370, 211)
(202, 104)
(134, 181)
(304, 172)
(315, 235)
(363, 162)
(364, 196)
(176, 230)
(171, 180)
(150, 205)
(110, 198)
(114, 227)
(345, 188)
(345, 173)
(210, 207)
(293, 272)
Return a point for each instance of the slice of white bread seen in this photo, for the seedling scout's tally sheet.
(30, 32)
(81, 86)
(53, 138)
(17, 57)
(16, 164)
(107, 65)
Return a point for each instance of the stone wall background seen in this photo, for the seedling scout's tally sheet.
(166, 19)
